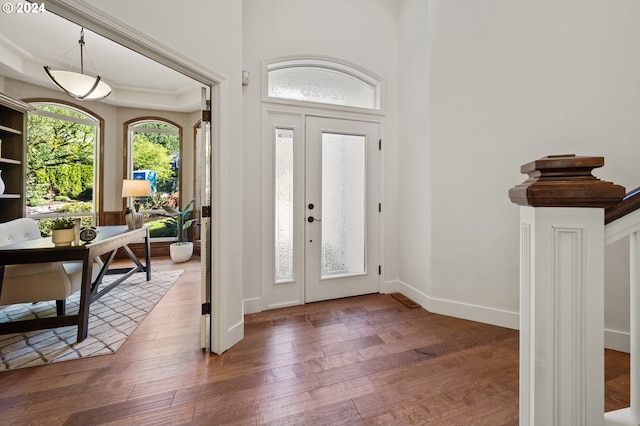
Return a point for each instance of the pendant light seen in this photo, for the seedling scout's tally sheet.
(79, 85)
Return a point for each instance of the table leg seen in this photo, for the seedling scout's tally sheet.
(147, 255)
(85, 299)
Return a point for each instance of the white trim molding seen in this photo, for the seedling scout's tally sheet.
(453, 308)
(96, 20)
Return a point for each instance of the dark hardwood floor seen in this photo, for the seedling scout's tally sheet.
(358, 361)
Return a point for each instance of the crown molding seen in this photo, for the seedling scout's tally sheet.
(107, 26)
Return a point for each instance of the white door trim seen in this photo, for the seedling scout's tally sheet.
(224, 332)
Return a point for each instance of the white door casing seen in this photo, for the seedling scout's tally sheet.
(203, 186)
(226, 327)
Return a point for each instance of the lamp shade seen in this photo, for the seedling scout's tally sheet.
(79, 86)
(136, 188)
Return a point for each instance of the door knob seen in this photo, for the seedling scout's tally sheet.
(312, 219)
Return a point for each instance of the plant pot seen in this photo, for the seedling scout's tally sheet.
(63, 237)
(181, 252)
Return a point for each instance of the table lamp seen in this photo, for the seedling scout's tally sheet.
(136, 188)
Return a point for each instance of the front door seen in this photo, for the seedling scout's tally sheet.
(341, 208)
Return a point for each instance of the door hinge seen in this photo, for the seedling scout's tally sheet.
(206, 114)
(379, 144)
(379, 207)
(205, 211)
(206, 308)
(379, 269)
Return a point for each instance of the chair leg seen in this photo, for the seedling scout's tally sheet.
(61, 306)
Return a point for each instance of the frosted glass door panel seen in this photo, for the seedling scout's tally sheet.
(341, 217)
(284, 205)
(343, 205)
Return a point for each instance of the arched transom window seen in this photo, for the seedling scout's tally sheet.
(322, 81)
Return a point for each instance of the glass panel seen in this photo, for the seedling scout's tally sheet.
(321, 85)
(343, 204)
(60, 172)
(156, 158)
(284, 205)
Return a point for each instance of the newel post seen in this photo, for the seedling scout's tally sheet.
(562, 290)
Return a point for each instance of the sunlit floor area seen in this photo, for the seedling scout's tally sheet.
(361, 360)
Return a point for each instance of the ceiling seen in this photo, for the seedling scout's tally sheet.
(28, 42)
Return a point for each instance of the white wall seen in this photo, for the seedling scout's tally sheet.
(509, 82)
(362, 32)
(414, 162)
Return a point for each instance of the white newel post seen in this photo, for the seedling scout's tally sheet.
(634, 293)
(630, 416)
(562, 290)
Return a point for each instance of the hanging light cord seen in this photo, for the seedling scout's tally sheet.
(75, 84)
(82, 45)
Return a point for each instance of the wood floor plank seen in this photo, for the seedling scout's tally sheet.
(180, 415)
(242, 404)
(122, 410)
(357, 361)
(339, 413)
(311, 400)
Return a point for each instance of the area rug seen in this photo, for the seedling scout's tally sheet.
(112, 319)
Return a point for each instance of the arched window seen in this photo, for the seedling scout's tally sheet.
(62, 163)
(323, 81)
(154, 154)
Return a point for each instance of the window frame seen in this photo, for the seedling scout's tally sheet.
(129, 130)
(95, 120)
(324, 63)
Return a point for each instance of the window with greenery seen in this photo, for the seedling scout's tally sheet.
(61, 164)
(154, 155)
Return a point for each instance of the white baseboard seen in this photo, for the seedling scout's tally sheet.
(389, 287)
(456, 309)
(234, 334)
(622, 417)
(617, 340)
(613, 339)
(252, 306)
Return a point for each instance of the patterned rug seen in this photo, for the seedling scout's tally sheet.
(112, 319)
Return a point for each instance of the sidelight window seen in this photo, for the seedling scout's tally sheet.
(284, 205)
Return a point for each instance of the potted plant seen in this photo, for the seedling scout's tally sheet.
(182, 249)
(62, 231)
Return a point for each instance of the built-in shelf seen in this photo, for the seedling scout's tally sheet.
(13, 125)
(10, 130)
(9, 161)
